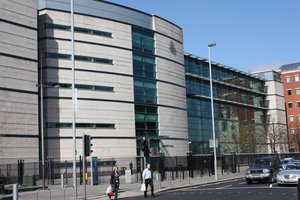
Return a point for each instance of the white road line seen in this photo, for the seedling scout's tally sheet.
(242, 183)
(227, 186)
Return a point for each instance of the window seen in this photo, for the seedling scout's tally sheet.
(289, 92)
(292, 131)
(290, 105)
(298, 118)
(288, 79)
(78, 125)
(291, 118)
(296, 78)
(80, 86)
(298, 104)
(79, 58)
(297, 91)
(78, 29)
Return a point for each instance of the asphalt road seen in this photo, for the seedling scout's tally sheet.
(233, 190)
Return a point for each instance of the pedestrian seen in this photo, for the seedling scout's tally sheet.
(115, 182)
(131, 167)
(147, 180)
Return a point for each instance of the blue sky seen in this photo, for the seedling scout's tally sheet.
(250, 34)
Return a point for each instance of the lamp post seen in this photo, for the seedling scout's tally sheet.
(73, 100)
(212, 110)
(42, 121)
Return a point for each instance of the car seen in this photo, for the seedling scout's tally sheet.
(263, 169)
(289, 175)
(287, 160)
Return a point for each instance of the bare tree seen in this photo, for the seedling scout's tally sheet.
(248, 139)
(230, 142)
(295, 137)
(276, 137)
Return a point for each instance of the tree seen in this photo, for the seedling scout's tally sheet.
(230, 141)
(248, 139)
(276, 137)
(295, 137)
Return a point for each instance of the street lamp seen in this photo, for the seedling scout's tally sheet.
(73, 100)
(212, 109)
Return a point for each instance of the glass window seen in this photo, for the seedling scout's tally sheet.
(288, 79)
(78, 29)
(78, 125)
(292, 131)
(144, 66)
(289, 92)
(291, 118)
(80, 86)
(79, 58)
(290, 105)
(298, 104)
(297, 91)
(298, 118)
(296, 78)
(143, 39)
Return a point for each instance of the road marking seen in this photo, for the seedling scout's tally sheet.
(242, 183)
(227, 186)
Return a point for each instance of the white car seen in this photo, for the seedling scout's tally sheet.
(290, 174)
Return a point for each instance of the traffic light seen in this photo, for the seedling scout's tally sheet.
(144, 145)
(145, 148)
(87, 145)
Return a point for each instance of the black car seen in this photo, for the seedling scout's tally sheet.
(263, 169)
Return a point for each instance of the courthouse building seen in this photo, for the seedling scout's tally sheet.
(132, 81)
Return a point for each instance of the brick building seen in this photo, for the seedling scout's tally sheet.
(290, 76)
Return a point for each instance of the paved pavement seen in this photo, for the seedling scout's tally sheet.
(126, 189)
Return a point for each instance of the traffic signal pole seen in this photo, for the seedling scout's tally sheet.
(83, 165)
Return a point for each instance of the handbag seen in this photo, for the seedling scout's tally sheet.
(143, 187)
(109, 190)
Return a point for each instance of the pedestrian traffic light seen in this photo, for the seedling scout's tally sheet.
(145, 148)
(144, 145)
(87, 145)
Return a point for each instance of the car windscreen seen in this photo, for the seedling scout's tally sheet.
(293, 166)
(262, 162)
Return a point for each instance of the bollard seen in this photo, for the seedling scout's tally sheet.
(15, 192)
(298, 187)
(62, 181)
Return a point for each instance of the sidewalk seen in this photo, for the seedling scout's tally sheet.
(126, 189)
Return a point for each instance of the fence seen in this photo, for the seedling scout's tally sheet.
(191, 165)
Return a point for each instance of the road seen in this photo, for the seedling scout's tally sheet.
(232, 190)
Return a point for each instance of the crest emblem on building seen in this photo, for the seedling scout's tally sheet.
(172, 48)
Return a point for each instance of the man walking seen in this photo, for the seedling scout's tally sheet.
(147, 179)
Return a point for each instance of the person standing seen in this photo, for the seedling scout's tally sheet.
(115, 182)
(147, 179)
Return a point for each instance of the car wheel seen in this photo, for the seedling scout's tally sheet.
(249, 181)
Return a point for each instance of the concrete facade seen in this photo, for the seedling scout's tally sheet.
(276, 114)
(19, 131)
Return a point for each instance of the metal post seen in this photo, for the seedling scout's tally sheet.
(42, 120)
(62, 181)
(15, 192)
(298, 187)
(66, 162)
(212, 110)
(73, 101)
(83, 167)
